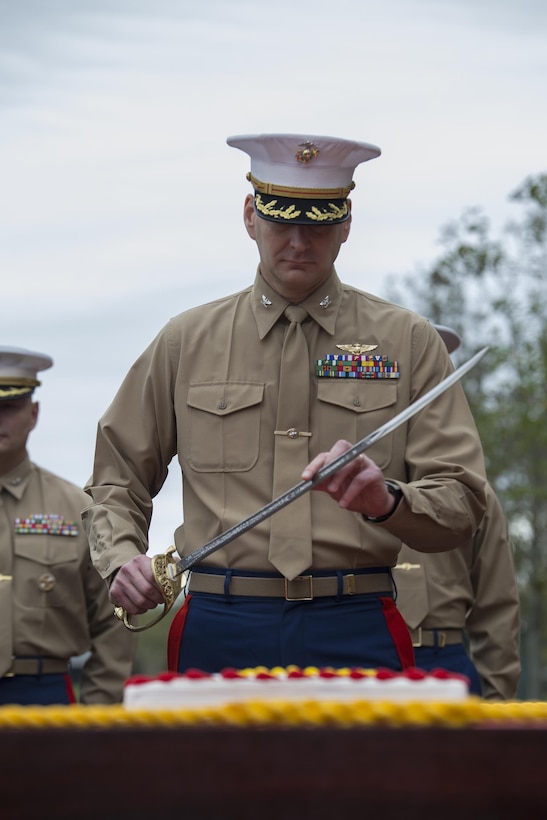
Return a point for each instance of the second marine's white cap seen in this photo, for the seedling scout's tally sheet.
(18, 371)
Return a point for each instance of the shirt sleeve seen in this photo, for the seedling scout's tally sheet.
(493, 621)
(132, 456)
(112, 646)
(444, 476)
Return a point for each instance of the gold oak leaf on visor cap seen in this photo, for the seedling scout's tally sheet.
(302, 178)
(18, 371)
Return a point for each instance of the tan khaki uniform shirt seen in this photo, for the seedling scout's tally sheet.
(472, 588)
(60, 603)
(206, 390)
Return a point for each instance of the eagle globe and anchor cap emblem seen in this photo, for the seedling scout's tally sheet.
(307, 151)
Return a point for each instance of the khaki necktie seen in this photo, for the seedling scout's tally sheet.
(6, 564)
(290, 536)
(411, 583)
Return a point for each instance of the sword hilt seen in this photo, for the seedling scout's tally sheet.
(170, 588)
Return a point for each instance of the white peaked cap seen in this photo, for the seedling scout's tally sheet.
(274, 159)
(18, 371)
(303, 178)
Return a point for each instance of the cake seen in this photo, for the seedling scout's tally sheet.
(286, 698)
(200, 690)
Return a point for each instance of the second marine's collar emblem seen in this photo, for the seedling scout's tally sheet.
(356, 349)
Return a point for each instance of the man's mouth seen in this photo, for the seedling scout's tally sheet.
(296, 263)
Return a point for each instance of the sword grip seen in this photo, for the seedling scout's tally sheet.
(170, 588)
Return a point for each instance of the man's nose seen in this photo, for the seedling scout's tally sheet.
(300, 236)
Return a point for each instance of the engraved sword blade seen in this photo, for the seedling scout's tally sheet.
(325, 472)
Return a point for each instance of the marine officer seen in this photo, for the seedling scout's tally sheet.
(253, 391)
(53, 604)
(462, 606)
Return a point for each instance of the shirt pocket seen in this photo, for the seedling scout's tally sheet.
(352, 409)
(224, 425)
(47, 570)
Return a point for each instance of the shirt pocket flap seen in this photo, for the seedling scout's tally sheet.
(46, 549)
(222, 398)
(363, 397)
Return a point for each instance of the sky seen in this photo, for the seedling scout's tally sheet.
(121, 204)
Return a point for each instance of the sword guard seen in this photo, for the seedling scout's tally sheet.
(170, 588)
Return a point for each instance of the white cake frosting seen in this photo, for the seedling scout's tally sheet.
(196, 690)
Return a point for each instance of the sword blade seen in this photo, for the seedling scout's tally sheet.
(325, 472)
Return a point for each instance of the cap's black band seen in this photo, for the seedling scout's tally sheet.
(301, 211)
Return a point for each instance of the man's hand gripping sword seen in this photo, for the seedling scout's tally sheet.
(169, 581)
(168, 572)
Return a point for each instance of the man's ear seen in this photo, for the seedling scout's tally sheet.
(34, 414)
(347, 223)
(249, 215)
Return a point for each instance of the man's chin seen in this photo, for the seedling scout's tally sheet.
(300, 270)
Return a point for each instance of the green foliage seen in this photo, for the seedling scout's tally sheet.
(493, 291)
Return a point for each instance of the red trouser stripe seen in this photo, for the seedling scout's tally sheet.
(175, 636)
(69, 689)
(399, 632)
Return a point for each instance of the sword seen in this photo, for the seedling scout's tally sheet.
(168, 572)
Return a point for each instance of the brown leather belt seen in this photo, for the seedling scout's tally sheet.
(435, 637)
(302, 588)
(36, 666)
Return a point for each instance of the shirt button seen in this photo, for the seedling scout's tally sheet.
(356, 403)
(46, 582)
(222, 405)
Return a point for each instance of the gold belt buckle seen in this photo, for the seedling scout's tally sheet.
(350, 587)
(309, 597)
(418, 643)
